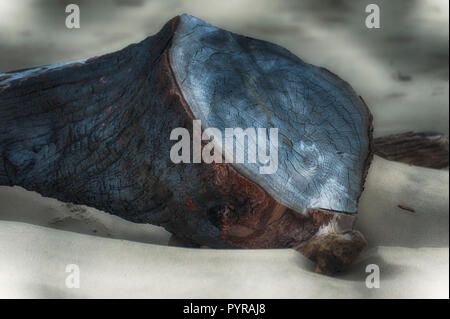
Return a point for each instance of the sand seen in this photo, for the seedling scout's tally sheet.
(401, 70)
(39, 237)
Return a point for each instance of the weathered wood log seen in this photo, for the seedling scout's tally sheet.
(96, 132)
(426, 149)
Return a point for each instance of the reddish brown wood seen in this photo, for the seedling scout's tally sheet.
(422, 149)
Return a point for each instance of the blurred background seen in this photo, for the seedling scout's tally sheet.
(401, 69)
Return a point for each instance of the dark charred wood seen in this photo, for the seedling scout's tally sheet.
(421, 149)
(409, 209)
(96, 132)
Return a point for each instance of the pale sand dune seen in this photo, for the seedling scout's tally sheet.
(411, 250)
(34, 260)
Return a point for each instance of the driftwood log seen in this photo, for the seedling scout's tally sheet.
(96, 132)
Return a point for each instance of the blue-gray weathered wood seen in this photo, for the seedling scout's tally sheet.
(230, 80)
